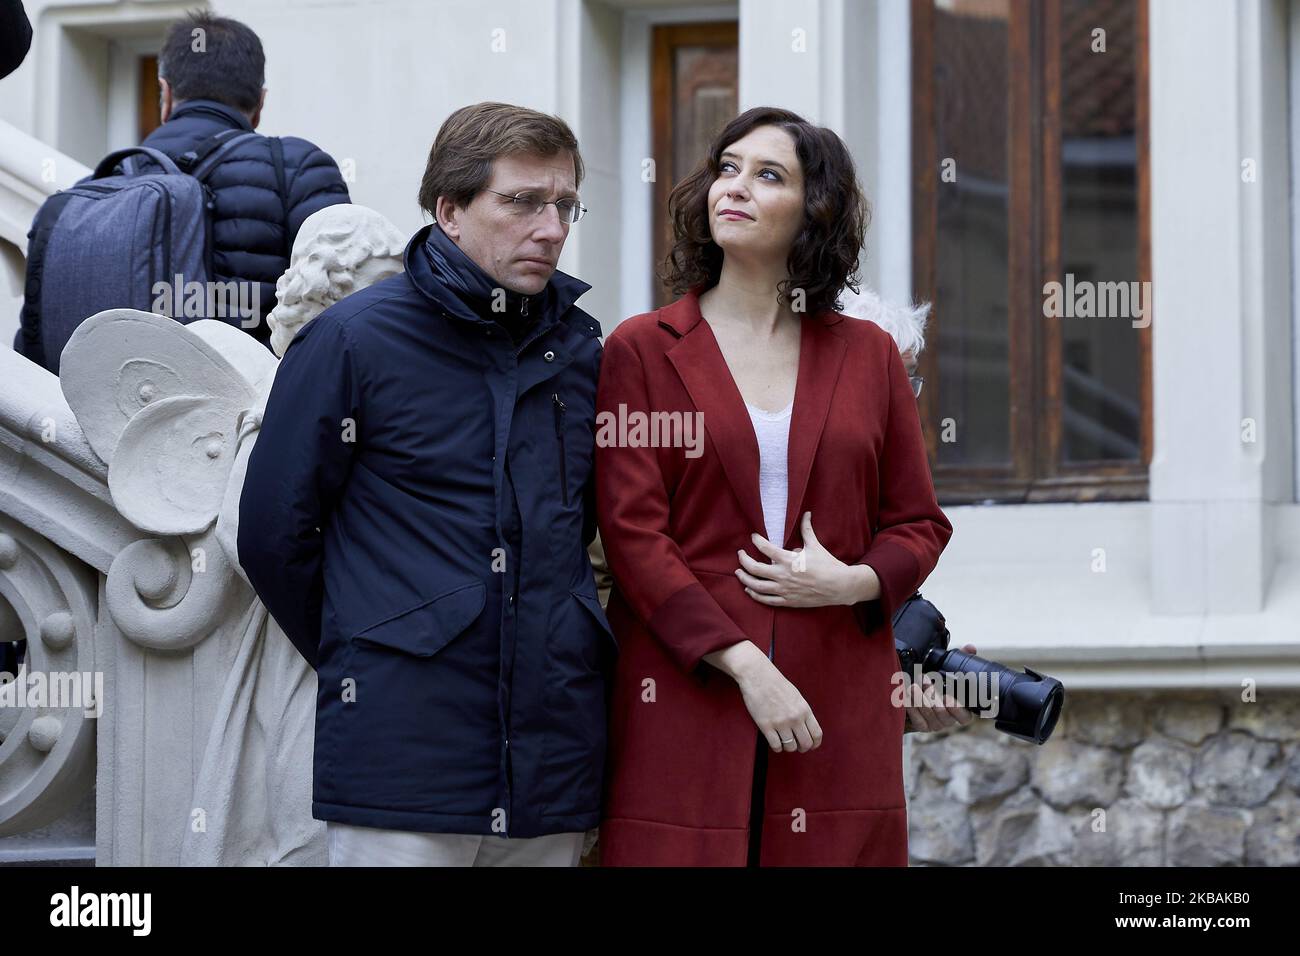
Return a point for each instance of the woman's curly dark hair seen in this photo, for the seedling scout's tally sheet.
(824, 256)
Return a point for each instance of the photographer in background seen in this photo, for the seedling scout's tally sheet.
(906, 325)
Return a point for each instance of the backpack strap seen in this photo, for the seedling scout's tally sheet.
(123, 157)
(277, 159)
(201, 160)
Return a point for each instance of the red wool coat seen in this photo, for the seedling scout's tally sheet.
(681, 743)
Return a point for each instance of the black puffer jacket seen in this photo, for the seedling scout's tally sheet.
(250, 235)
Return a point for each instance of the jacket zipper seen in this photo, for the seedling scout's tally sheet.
(509, 775)
(560, 409)
(167, 235)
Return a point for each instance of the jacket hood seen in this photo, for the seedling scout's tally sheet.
(443, 273)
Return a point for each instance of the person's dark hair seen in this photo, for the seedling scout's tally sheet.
(460, 161)
(824, 256)
(206, 57)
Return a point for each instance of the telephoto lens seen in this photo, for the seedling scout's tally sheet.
(1024, 705)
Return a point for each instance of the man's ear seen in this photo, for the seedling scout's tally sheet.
(167, 104)
(256, 116)
(446, 213)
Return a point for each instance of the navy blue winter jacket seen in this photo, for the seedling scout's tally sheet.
(462, 685)
(253, 226)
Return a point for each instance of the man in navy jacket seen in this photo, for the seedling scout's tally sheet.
(416, 514)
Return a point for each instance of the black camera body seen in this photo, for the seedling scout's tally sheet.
(1028, 704)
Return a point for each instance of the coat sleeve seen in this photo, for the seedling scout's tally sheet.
(649, 568)
(911, 531)
(296, 473)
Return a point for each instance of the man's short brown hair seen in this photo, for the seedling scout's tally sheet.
(460, 162)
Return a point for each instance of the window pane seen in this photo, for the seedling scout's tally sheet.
(971, 114)
(1101, 401)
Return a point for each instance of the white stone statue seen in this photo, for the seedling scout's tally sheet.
(174, 410)
(339, 250)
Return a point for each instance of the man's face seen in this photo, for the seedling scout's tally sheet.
(516, 247)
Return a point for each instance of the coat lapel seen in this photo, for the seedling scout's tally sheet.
(704, 372)
(821, 354)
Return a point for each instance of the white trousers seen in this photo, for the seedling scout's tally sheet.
(372, 846)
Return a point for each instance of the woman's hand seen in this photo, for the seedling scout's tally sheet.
(806, 577)
(779, 710)
(775, 705)
(927, 711)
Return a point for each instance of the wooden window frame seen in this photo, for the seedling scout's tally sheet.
(1034, 257)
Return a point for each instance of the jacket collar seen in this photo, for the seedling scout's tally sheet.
(443, 273)
(704, 372)
(213, 108)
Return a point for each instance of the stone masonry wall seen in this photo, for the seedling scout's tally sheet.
(1176, 779)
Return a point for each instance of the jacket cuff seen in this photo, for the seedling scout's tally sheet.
(689, 625)
(899, 573)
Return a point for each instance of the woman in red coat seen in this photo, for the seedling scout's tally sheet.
(754, 681)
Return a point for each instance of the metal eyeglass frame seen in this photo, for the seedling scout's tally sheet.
(579, 210)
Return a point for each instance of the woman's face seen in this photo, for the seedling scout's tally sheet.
(756, 203)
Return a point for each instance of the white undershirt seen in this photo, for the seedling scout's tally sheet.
(773, 432)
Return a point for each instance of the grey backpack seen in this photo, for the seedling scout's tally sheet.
(110, 240)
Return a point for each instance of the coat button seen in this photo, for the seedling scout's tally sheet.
(549, 356)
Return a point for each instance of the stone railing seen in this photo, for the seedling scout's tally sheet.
(112, 564)
(59, 534)
(120, 482)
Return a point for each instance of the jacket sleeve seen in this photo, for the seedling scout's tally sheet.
(632, 505)
(296, 473)
(911, 531)
(316, 183)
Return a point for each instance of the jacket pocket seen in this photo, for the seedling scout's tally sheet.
(592, 605)
(429, 626)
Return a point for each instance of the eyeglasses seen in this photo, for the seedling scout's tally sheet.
(917, 381)
(570, 210)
